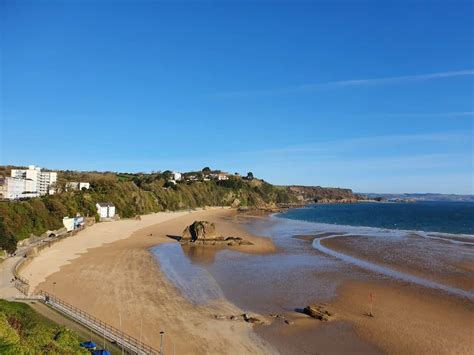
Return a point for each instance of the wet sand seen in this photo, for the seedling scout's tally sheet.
(444, 262)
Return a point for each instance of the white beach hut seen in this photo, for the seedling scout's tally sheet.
(105, 209)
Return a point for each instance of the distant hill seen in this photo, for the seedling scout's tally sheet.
(320, 194)
(421, 197)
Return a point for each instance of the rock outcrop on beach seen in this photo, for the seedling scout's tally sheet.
(244, 317)
(204, 232)
(200, 230)
(318, 312)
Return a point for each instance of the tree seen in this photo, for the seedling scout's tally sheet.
(206, 170)
(7, 240)
(250, 175)
(167, 174)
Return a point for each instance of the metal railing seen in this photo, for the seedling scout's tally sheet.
(127, 342)
(20, 283)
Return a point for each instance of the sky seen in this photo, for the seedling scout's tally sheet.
(376, 96)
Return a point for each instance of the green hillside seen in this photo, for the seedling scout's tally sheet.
(136, 194)
(23, 331)
(132, 194)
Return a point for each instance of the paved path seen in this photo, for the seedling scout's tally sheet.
(7, 288)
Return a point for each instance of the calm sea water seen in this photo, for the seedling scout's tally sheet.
(443, 217)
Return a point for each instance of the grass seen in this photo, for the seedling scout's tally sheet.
(24, 331)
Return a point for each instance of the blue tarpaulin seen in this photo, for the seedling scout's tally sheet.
(89, 345)
(101, 352)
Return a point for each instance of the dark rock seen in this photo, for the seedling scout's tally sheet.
(252, 320)
(318, 312)
(200, 230)
(233, 238)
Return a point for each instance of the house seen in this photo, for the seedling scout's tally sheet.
(74, 185)
(222, 176)
(176, 176)
(192, 178)
(105, 210)
(44, 181)
(219, 176)
(3, 187)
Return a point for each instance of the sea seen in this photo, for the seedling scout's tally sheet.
(425, 216)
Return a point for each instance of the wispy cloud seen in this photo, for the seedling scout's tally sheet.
(328, 148)
(347, 83)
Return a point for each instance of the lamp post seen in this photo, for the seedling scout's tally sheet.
(141, 329)
(161, 342)
(121, 330)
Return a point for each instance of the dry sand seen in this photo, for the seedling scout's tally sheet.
(50, 260)
(123, 278)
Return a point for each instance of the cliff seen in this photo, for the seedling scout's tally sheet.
(320, 194)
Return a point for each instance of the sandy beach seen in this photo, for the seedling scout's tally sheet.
(109, 271)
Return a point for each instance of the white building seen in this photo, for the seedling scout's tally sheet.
(16, 188)
(222, 176)
(44, 180)
(74, 185)
(105, 209)
(73, 223)
(176, 176)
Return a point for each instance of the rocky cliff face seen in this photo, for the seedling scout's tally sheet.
(320, 194)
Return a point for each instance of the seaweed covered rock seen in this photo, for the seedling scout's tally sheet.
(200, 230)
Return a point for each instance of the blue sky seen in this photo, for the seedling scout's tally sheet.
(374, 96)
